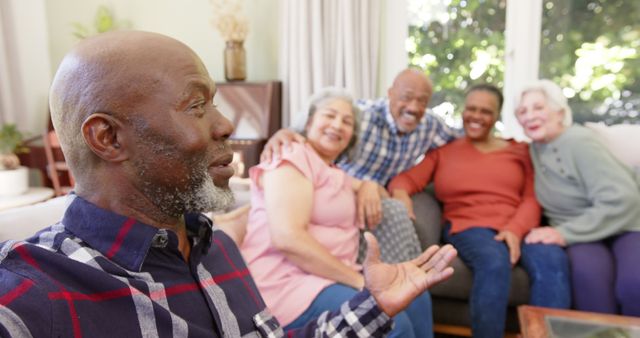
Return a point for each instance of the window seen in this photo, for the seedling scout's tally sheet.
(459, 45)
(589, 47)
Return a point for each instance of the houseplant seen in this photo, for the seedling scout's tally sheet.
(14, 179)
(104, 21)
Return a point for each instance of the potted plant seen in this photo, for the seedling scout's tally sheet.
(14, 179)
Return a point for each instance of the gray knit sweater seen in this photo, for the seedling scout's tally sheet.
(586, 193)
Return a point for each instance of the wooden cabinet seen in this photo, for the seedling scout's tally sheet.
(254, 108)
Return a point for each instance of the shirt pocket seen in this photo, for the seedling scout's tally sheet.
(267, 325)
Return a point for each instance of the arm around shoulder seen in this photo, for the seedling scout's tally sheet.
(281, 139)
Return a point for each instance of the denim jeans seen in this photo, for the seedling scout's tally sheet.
(546, 265)
(415, 322)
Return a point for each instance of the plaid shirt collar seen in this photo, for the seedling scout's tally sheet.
(124, 240)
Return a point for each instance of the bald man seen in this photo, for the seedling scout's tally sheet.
(133, 256)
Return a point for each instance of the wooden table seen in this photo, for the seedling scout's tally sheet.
(533, 324)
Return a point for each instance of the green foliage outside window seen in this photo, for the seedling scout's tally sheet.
(590, 47)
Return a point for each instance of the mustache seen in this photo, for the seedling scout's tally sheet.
(223, 146)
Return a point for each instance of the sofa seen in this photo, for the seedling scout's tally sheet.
(20, 223)
(450, 298)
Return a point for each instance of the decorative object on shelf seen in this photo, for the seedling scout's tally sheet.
(233, 27)
(235, 61)
(104, 21)
(14, 179)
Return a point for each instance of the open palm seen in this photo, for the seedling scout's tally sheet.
(394, 286)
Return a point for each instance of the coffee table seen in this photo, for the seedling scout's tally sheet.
(541, 322)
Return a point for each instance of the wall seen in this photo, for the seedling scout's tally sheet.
(185, 20)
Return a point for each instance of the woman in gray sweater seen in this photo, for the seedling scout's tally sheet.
(591, 200)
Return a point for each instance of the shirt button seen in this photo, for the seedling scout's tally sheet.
(555, 150)
(160, 239)
(561, 171)
(558, 159)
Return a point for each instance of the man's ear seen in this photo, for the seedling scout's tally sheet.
(103, 135)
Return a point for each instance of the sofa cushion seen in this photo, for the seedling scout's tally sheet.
(621, 139)
(20, 223)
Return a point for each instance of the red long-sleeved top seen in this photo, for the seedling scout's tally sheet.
(493, 190)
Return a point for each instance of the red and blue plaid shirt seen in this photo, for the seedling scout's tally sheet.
(99, 274)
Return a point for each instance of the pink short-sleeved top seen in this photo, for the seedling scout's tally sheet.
(287, 289)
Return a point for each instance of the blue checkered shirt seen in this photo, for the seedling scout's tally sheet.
(382, 152)
(99, 274)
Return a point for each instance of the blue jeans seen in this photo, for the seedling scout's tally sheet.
(414, 322)
(546, 265)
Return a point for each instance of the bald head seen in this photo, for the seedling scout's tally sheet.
(408, 98)
(412, 75)
(110, 73)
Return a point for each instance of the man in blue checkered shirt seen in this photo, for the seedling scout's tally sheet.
(133, 256)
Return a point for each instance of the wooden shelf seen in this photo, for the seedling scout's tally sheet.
(254, 108)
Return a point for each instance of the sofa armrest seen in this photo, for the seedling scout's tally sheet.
(428, 218)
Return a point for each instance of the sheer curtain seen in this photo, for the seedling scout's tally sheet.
(25, 67)
(328, 43)
(8, 99)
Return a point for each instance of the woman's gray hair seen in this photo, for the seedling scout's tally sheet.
(317, 100)
(555, 98)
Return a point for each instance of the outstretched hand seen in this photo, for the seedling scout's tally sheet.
(394, 286)
(281, 139)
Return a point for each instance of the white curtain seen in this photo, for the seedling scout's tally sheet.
(328, 43)
(8, 99)
(25, 67)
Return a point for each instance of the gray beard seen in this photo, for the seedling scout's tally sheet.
(200, 195)
(193, 193)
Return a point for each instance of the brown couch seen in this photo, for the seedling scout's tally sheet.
(450, 305)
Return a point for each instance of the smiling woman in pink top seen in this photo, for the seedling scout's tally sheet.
(302, 239)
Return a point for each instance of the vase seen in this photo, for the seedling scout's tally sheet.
(235, 61)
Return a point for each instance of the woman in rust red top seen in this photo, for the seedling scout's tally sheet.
(486, 186)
